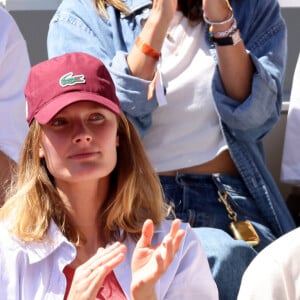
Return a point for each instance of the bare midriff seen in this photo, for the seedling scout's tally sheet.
(222, 163)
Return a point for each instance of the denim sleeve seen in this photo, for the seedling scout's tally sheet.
(84, 31)
(264, 34)
(132, 92)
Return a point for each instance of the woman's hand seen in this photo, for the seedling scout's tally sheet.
(149, 263)
(235, 66)
(163, 11)
(216, 10)
(89, 277)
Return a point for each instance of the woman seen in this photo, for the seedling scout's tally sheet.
(87, 205)
(201, 80)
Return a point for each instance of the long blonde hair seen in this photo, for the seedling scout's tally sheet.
(135, 193)
(101, 5)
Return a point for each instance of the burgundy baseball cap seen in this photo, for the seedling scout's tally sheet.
(63, 80)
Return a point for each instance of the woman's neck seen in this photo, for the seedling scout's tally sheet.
(85, 252)
(84, 201)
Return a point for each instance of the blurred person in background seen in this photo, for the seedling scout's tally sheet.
(14, 69)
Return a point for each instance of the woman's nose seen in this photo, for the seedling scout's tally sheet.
(82, 138)
(82, 135)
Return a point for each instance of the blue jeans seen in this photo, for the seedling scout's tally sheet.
(227, 259)
(195, 200)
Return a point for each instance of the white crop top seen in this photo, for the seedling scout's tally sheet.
(186, 131)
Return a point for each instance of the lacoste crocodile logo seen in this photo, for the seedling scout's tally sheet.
(71, 79)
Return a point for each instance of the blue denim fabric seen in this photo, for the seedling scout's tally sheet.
(227, 258)
(194, 198)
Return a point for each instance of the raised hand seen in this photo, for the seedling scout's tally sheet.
(149, 262)
(89, 277)
(164, 9)
(216, 10)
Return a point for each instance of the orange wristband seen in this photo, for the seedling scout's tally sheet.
(146, 49)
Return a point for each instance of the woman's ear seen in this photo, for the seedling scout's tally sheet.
(117, 141)
(41, 152)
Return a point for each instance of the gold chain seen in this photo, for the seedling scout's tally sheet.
(231, 213)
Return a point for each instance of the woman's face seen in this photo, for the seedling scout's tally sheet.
(80, 143)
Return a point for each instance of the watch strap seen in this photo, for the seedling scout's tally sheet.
(230, 40)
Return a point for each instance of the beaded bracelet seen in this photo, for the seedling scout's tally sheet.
(220, 34)
(217, 23)
(146, 48)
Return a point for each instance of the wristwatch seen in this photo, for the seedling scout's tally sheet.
(229, 40)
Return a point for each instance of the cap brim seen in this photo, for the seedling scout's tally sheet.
(48, 111)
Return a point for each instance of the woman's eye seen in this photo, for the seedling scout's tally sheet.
(58, 122)
(96, 117)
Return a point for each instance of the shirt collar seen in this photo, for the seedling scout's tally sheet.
(54, 241)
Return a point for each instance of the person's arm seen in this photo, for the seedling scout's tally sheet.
(153, 34)
(236, 71)
(234, 63)
(14, 68)
(264, 35)
(7, 166)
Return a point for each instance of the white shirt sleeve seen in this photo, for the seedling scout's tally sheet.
(14, 69)
(188, 276)
(290, 168)
(193, 279)
(263, 280)
(275, 272)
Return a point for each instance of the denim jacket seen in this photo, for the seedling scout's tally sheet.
(77, 27)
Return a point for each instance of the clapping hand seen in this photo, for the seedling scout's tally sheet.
(89, 277)
(149, 262)
(216, 10)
